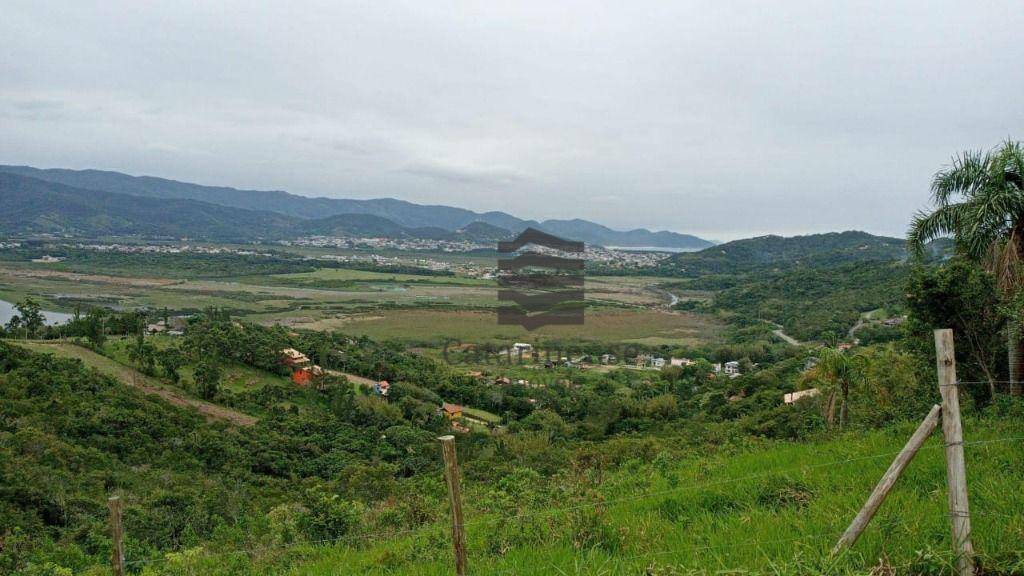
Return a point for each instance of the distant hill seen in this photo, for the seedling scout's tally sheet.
(598, 234)
(33, 206)
(767, 253)
(400, 212)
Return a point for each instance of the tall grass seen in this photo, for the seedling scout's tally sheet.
(774, 509)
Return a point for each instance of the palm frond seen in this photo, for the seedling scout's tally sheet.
(926, 227)
(967, 173)
(979, 201)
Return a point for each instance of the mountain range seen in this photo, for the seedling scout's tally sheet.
(120, 199)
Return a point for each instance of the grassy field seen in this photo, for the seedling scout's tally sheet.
(63, 288)
(329, 277)
(473, 326)
(483, 415)
(411, 307)
(775, 509)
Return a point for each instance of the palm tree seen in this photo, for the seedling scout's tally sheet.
(839, 371)
(979, 200)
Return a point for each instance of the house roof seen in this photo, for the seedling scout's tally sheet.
(451, 408)
(294, 355)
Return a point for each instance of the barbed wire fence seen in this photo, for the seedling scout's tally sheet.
(962, 553)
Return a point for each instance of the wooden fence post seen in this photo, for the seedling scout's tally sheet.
(953, 434)
(888, 480)
(116, 536)
(451, 474)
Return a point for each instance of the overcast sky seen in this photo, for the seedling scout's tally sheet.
(760, 117)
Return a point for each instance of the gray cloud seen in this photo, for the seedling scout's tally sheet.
(699, 117)
(445, 174)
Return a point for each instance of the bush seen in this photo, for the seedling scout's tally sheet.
(327, 515)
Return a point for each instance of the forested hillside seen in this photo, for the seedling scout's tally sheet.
(768, 253)
(39, 207)
(33, 206)
(820, 303)
(814, 287)
(71, 436)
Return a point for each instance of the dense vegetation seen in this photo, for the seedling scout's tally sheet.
(773, 253)
(815, 287)
(817, 303)
(72, 436)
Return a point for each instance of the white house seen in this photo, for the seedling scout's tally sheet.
(657, 362)
(794, 396)
(732, 368)
(681, 362)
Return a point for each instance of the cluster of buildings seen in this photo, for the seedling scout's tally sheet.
(166, 249)
(651, 362)
(468, 269)
(353, 243)
(624, 258)
(385, 261)
(523, 352)
(608, 258)
(173, 326)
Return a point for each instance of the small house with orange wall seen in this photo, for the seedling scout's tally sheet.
(303, 376)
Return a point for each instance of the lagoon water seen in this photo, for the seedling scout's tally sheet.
(7, 312)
